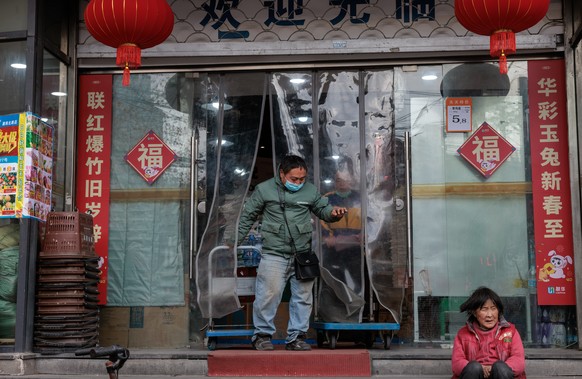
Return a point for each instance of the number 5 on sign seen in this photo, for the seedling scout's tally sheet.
(459, 110)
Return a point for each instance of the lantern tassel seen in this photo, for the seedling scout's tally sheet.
(128, 54)
(502, 42)
(125, 80)
(503, 64)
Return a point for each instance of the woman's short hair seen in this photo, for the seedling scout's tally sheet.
(290, 162)
(478, 299)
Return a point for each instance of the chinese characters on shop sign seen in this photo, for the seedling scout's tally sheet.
(227, 16)
(550, 183)
(93, 162)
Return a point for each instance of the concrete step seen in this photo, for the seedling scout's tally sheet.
(123, 376)
(397, 362)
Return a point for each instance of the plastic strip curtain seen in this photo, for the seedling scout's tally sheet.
(385, 227)
(231, 153)
(319, 117)
(341, 295)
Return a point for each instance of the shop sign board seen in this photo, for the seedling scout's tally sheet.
(285, 27)
(26, 166)
(552, 205)
(486, 150)
(94, 163)
(246, 20)
(150, 157)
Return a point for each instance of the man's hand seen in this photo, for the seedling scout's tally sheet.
(339, 212)
(486, 371)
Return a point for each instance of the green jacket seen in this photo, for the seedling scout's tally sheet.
(298, 208)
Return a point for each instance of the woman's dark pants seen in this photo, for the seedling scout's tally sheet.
(474, 370)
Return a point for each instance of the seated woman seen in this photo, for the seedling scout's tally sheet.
(488, 346)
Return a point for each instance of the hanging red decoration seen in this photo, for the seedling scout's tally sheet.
(500, 20)
(129, 26)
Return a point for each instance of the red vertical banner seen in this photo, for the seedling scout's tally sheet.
(93, 162)
(552, 208)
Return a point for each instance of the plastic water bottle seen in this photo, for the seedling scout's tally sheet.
(256, 258)
(247, 257)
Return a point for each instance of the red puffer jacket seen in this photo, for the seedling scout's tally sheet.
(508, 348)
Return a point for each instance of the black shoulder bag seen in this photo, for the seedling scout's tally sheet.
(306, 264)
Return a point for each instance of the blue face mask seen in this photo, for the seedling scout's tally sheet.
(292, 186)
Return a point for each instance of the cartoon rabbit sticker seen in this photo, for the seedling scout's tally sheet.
(559, 262)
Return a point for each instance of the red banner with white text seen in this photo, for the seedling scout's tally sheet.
(93, 162)
(550, 183)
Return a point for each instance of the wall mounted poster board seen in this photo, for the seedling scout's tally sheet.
(26, 163)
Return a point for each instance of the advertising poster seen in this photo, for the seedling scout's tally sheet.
(550, 183)
(26, 164)
(93, 163)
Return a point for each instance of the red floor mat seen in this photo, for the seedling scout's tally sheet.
(319, 362)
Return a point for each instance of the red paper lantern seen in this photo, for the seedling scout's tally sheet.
(500, 20)
(129, 25)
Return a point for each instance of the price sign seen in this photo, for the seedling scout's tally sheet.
(459, 111)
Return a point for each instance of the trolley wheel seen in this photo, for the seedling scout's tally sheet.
(332, 340)
(371, 339)
(320, 339)
(387, 340)
(211, 343)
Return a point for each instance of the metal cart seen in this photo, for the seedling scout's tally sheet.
(248, 259)
(363, 331)
(326, 331)
(330, 332)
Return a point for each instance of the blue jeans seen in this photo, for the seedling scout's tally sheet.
(272, 276)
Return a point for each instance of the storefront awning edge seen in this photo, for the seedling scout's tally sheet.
(391, 47)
